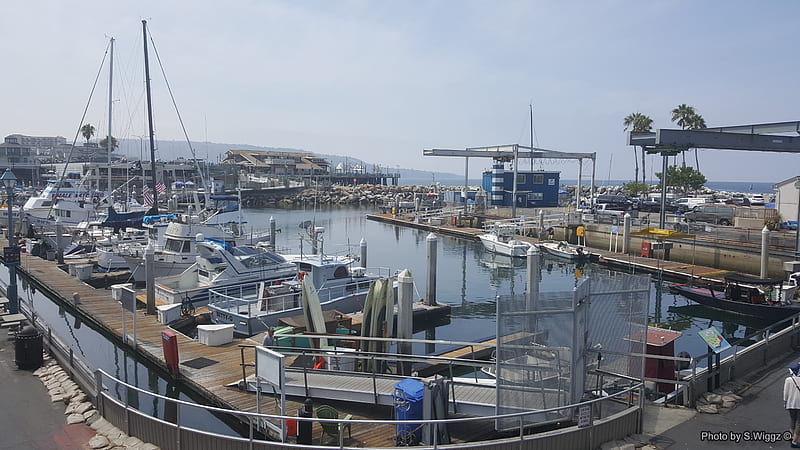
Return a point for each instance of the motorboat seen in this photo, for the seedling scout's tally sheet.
(565, 250)
(66, 200)
(219, 264)
(254, 307)
(501, 240)
(173, 244)
(762, 298)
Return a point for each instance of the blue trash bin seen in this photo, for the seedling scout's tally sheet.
(408, 395)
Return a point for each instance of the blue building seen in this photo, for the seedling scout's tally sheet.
(536, 189)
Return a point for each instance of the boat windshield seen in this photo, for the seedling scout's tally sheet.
(256, 257)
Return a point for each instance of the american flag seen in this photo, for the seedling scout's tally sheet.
(147, 193)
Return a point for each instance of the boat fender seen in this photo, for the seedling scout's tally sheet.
(320, 364)
(301, 275)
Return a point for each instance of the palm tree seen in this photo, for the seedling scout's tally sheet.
(696, 122)
(682, 115)
(638, 122)
(87, 131)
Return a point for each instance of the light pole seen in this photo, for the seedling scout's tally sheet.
(11, 253)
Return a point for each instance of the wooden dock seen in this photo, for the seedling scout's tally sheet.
(217, 381)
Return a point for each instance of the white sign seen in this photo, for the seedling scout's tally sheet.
(584, 416)
(270, 366)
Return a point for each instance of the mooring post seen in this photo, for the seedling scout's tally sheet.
(764, 251)
(272, 231)
(626, 233)
(533, 276)
(541, 224)
(149, 256)
(430, 293)
(405, 310)
(59, 248)
(363, 247)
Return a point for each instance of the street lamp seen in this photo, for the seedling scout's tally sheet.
(11, 253)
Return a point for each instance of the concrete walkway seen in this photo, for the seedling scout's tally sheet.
(757, 422)
(28, 418)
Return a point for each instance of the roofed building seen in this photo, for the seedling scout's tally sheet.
(277, 163)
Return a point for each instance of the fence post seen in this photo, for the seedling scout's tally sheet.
(178, 425)
(98, 388)
(127, 423)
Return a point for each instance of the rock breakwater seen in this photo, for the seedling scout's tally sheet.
(362, 194)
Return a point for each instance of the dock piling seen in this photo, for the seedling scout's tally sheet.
(626, 233)
(272, 231)
(430, 292)
(363, 247)
(764, 251)
(149, 256)
(405, 300)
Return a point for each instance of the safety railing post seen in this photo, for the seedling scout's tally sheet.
(178, 425)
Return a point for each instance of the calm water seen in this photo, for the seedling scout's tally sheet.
(470, 279)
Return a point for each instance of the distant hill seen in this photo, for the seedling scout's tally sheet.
(214, 152)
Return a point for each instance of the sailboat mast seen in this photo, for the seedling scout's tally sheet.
(531, 108)
(110, 102)
(153, 189)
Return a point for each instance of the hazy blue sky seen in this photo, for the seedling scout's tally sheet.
(381, 80)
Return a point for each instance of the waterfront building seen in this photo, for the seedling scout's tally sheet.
(787, 197)
(535, 189)
(265, 163)
(96, 173)
(21, 158)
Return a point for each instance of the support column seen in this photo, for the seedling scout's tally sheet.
(662, 216)
(149, 256)
(764, 251)
(626, 233)
(363, 247)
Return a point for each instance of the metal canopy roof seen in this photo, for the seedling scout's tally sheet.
(506, 151)
(741, 137)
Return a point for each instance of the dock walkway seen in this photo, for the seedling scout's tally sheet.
(217, 382)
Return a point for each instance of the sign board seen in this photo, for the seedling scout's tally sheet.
(127, 297)
(270, 366)
(714, 339)
(615, 229)
(11, 256)
(584, 416)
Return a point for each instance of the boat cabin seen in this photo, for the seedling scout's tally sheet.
(749, 289)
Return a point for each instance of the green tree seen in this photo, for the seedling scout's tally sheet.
(638, 122)
(635, 188)
(87, 131)
(682, 116)
(684, 179)
(114, 143)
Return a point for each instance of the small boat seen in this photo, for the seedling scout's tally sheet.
(501, 240)
(565, 250)
(763, 298)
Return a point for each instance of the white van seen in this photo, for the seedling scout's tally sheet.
(687, 203)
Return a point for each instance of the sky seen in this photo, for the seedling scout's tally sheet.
(382, 80)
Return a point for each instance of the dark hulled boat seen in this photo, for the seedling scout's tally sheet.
(762, 298)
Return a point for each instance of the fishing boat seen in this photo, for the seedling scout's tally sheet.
(763, 298)
(565, 250)
(67, 200)
(501, 240)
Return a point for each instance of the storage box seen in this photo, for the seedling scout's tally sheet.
(168, 313)
(214, 335)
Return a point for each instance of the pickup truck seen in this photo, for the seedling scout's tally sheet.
(607, 213)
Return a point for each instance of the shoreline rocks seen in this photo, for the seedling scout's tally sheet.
(61, 388)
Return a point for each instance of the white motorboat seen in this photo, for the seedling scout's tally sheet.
(255, 307)
(218, 265)
(501, 240)
(66, 200)
(174, 247)
(564, 250)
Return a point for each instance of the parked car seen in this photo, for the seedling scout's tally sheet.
(757, 200)
(616, 202)
(654, 205)
(738, 201)
(720, 215)
(789, 225)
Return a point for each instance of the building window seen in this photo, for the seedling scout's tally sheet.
(538, 179)
(521, 179)
(551, 182)
(533, 196)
